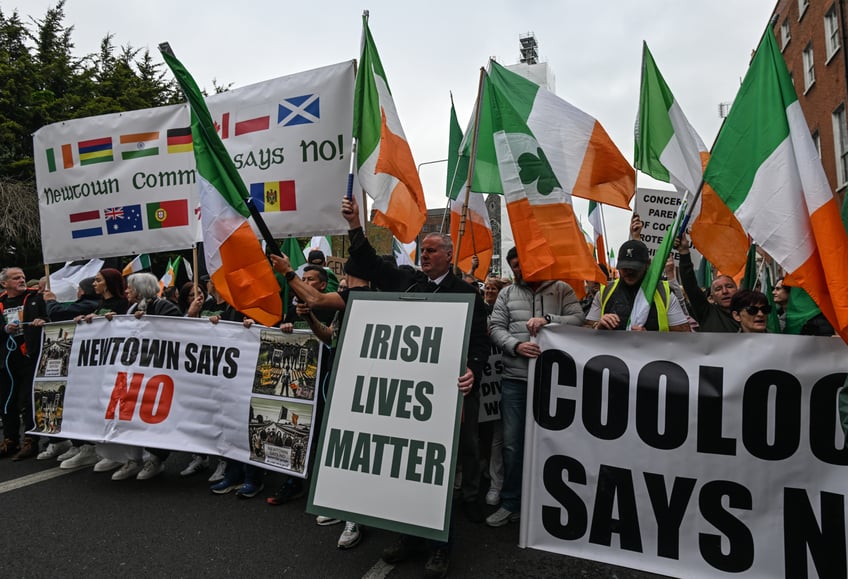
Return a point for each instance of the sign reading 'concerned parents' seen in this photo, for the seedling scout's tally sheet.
(387, 448)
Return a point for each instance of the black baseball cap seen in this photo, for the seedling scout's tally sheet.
(316, 255)
(633, 255)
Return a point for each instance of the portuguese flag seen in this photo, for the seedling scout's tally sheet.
(167, 214)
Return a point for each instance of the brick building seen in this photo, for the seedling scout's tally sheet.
(811, 35)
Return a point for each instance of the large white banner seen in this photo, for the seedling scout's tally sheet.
(125, 183)
(691, 455)
(181, 384)
(387, 448)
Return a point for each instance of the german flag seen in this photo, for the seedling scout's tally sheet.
(179, 140)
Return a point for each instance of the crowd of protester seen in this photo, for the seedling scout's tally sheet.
(508, 315)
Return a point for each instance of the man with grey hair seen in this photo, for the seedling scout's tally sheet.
(436, 253)
(22, 312)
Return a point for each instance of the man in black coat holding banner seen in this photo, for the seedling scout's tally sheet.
(435, 276)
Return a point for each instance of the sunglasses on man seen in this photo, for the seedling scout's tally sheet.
(754, 310)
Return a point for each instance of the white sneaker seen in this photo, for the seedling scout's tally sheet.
(198, 463)
(350, 536)
(326, 521)
(502, 517)
(130, 469)
(53, 450)
(85, 457)
(70, 453)
(493, 497)
(106, 464)
(152, 467)
(218, 475)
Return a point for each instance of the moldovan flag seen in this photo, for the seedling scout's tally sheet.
(585, 161)
(234, 258)
(384, 161)
(548, 238)
(765, 167)
(139, 263)
(669, 149)
(477, 237)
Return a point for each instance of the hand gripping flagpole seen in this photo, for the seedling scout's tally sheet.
(165, 48)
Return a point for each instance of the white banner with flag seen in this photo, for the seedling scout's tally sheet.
(125, 183)
(674, 454)
(181, 384)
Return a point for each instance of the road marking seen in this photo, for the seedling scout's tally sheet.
(32, 479)
(379, 570)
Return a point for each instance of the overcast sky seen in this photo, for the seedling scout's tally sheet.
(431, 48)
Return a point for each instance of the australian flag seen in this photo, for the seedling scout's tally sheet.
(123, 219)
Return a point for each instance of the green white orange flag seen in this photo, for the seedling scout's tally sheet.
(169, 278)
(547, 235)
(766, 168)
(139, 263)
(584, 160)
(234, 258)
(669, 149)
(385, 166)
(477, 237)
(597, 223)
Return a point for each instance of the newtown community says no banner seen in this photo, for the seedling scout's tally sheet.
(691, 455)
(126, 183)
(387, 450)
(181, 384)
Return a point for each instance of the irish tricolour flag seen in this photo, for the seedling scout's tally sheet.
(765, 167)
(548, 238)
(386, 169)
(234, 258)
(669, 149)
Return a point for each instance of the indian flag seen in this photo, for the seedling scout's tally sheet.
(139, 263)
(668, 149)
(234, 258)
(475, 238)
(548, 238)
(384, 161)
(584, 160)
(765, 167)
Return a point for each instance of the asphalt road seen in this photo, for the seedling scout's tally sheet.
(83, 524)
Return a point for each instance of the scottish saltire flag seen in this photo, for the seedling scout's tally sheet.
(123, 219)
(299, 110)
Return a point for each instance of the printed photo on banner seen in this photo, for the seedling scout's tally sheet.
(287, 365)
(56, 350)
(279, 433)
(49, 399)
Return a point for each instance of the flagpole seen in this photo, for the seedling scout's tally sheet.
(604, 233)
(194, 267)
(471, 161)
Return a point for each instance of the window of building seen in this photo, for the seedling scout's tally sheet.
(831, 32)
(817, 142)
(840, 145)
(802, 7)
(809, 71)
(785, 36)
